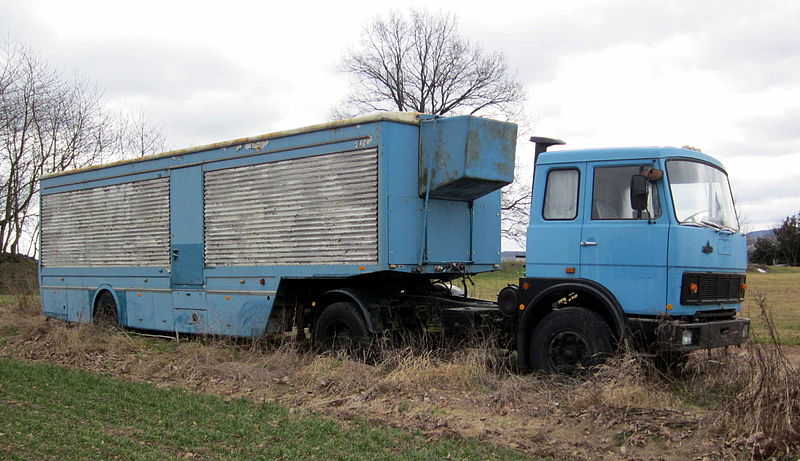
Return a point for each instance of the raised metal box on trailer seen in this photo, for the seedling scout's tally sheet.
(228, 237)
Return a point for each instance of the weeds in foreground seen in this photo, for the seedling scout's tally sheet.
(748, 397)
(758, 391)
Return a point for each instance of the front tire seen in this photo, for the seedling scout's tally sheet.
(340, 327)
(570, 340)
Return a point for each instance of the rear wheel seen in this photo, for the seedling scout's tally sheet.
(105, 310)
(570, 340)
(341, 327)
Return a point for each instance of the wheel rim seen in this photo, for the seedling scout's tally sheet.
(339, 336)
(567, 351)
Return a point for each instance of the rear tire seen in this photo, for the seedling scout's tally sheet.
(570, 340)
(105, 311)
(340, 327)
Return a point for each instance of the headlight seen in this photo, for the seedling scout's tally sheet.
(686, 337)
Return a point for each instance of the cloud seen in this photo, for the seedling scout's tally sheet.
(767, 189)
(143, 67)
(757, 49)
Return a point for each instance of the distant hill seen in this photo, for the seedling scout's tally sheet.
(517, 255)
(17, 274)
(755, 235)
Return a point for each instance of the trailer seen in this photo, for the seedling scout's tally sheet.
(360, 227)
(344, 223)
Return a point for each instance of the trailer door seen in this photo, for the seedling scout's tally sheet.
(186, 227)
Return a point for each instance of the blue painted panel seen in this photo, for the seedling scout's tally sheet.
(554, 245)
(141, 310)
(54, 303)
(686, 255)
(468, 157)
(486, 229)
(79, 306)
(448, 232)
(238, 315)
(404, 229)
(189, 311)
(163, 316)
(186, 226)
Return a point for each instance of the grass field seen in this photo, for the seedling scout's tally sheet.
(781, 289)
(54, 412)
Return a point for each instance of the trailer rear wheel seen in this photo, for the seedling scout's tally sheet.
(341, 327)
(570, 340)
(105, 310)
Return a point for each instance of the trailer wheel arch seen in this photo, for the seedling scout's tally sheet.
(345, 295)
(118, 305)
(595, 298)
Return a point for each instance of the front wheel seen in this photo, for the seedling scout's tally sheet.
(570, 340)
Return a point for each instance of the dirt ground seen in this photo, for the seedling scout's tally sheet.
(618, 414)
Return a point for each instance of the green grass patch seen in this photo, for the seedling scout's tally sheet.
(782, 290)
(489, 284)
(784, 270)
(53, 412)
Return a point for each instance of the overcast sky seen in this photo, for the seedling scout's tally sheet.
(720, 75)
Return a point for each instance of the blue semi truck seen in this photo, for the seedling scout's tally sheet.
(360, 227)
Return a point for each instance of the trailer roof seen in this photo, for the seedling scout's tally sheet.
(410, 118)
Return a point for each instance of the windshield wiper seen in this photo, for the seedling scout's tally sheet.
(703, 224)
(718, 227)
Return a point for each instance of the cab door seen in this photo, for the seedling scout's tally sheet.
(555, 222)
(622, 249)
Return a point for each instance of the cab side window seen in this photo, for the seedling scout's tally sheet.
(561, 195)
(611, 195)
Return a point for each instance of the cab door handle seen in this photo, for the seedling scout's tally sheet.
(588, 244)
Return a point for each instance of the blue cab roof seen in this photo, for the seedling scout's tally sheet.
(623, 153)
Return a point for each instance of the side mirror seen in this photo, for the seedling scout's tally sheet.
(639, 192)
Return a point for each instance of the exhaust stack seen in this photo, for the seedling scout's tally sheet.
(542, 144)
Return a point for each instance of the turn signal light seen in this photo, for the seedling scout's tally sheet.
(693, 288)
(744, 287)
(570, 270)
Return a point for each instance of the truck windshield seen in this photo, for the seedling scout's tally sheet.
(702, 195)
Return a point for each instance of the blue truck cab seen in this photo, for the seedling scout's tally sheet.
(635, 245)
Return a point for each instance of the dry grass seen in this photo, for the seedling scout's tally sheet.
(738, 404)
(758, 391)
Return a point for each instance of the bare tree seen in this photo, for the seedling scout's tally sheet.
(420, 63)
(48, 123)
(139, 136)
(515, 205)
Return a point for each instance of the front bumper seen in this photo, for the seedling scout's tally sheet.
(659, 335)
